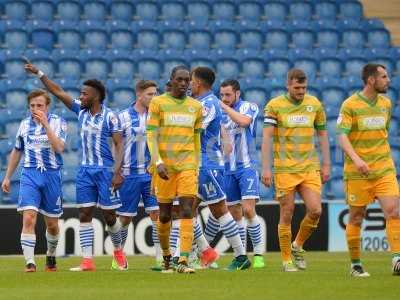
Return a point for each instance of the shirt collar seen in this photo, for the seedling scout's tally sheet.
(204, 95)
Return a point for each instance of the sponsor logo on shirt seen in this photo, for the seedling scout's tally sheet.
(179, 119)
(38, 141)
(298, 120)
(371, 123)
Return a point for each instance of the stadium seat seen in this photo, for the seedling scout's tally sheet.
(123, 67)
(251, 39)
(169, 64)
(147, 11)
(351, 10)
(69, 191)
(278, 91)
(353, 66)
(387, 62)
(277, 39)
(96, 67)
(330, 67)
(379, 38)
(174, 39)
(16, 39)
(326, 10)
(373, 23)
(95, 10)
(224, 10)
(148, 39)
(259, 96)
(250, 10)
(225, 39)
(253, 68)
(123, 96)
(198, 10)
(227, 68)
(333, 96)
(149, 69)
(198, 58)
(69, 39)
(14, 68)
(200, 40)
(308, 65)
(69, 10)
(393, 95)
(353, 38)
(69, 67)
(96, 39)
(300, 11)
(16, 10)
(15, 100)
(122, 10)
(45, 64)
(122, 39)
(275, 10)
(278, 67)
(43, 38)
(303, 39)
(42, 10)
(328, 38)
(172, 10)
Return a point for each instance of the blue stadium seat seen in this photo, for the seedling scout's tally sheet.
(277, 39)
(69, 10)
(227, 68)
(373, 23)
(303, 39)
(172, 10)
(15, 100)
(277, 91)
(69, 39)
(300, 10)
(43, 38)
(250, 10)
(275, 10)
(69, 191)
(308, 65)
(331, 67)
(96, 39)
(14, 68)
(45, 64)
(198, 10)
(253, 68)
(174, 39)
(200, 40)
(123, 96)
(96, 67)
(123, 67)
(147, 11)
(224, 10)
(393, 95)
(95, 10)
(16, 10)
(71, 159)
(170, 63)
(148, 39)
(16, 39)
(69, 67)
(353, 38)
(379, 38)
(328, 38)
(122, 10)
(122, 39)
(278, 67)
(387, 62)
(326, 10)
(149, 69)
(333, 96)
(299, 53)
(251, 39)
(42, 10)
(225, 39)
(351, 10)
(257, 95)
(353, 66)
(198, 58)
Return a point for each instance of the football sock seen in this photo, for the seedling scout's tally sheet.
(353, 236)
(163, 235)
(52, 241)
(156, 241)
(254, 229)
(28, 242)
(86, 236)
(198, 236)
(285, 238)
(212, 228)
(173, 240)
(124, 235)
(393, 234)
(115, 234)
(242, 232)
(186, 239)
(231, 231)
(307, 227)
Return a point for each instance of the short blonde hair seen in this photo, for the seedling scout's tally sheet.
(38, 93)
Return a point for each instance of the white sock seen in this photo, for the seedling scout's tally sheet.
(174, 237)
(86, 236)
(198, 236)
(254, 229)
(212, 228)
(28, 242)
(231, 231)
(115, 234)
(156, 241)
(242, 231)
(124, 234)
(52, 242)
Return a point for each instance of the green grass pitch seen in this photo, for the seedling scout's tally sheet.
(326, 278)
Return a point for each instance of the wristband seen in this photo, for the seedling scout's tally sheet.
(40, 74)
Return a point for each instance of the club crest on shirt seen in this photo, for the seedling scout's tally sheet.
(206, 111)
(191, 109)
(253, 107)
(114, 120)
(309, 108)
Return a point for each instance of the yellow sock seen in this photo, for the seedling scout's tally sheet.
(164, 230)
(307, 227)
(285, 238)
(393, 234)
(186, 239)
(353, 235)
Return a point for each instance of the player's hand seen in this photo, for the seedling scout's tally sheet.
(362, 167)
(117, 181)
(162, 171)
(5, 185)
(41, 117)
(227, 148)
(266, 177)
(325, 173)
(30, 68)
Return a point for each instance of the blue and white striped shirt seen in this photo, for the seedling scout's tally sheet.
(211, 154)
(243, 140)
(136, 153)
(33, 140)
(95, 134)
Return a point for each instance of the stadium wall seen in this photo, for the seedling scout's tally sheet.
(329, 236)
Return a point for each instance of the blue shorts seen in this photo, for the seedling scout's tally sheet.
(93, 188)
(211, 186)
(41, 191)
(242, 185)
(134, 188)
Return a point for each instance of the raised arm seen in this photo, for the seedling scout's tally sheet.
(57, 142)
(50, 85)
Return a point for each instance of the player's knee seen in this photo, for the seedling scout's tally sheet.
(315, 213)
(29, 221)
(125, 220)
(249, 212)
(164, 217)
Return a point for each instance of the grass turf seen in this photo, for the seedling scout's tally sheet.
(326, 278)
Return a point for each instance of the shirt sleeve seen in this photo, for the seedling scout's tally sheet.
(249, 109)
(320, 119)
(113, 123)
(209, 113)
(61, 130)
(19, 139)
(76, 106)
(153, 117)
(345, 120)
(270, 116)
